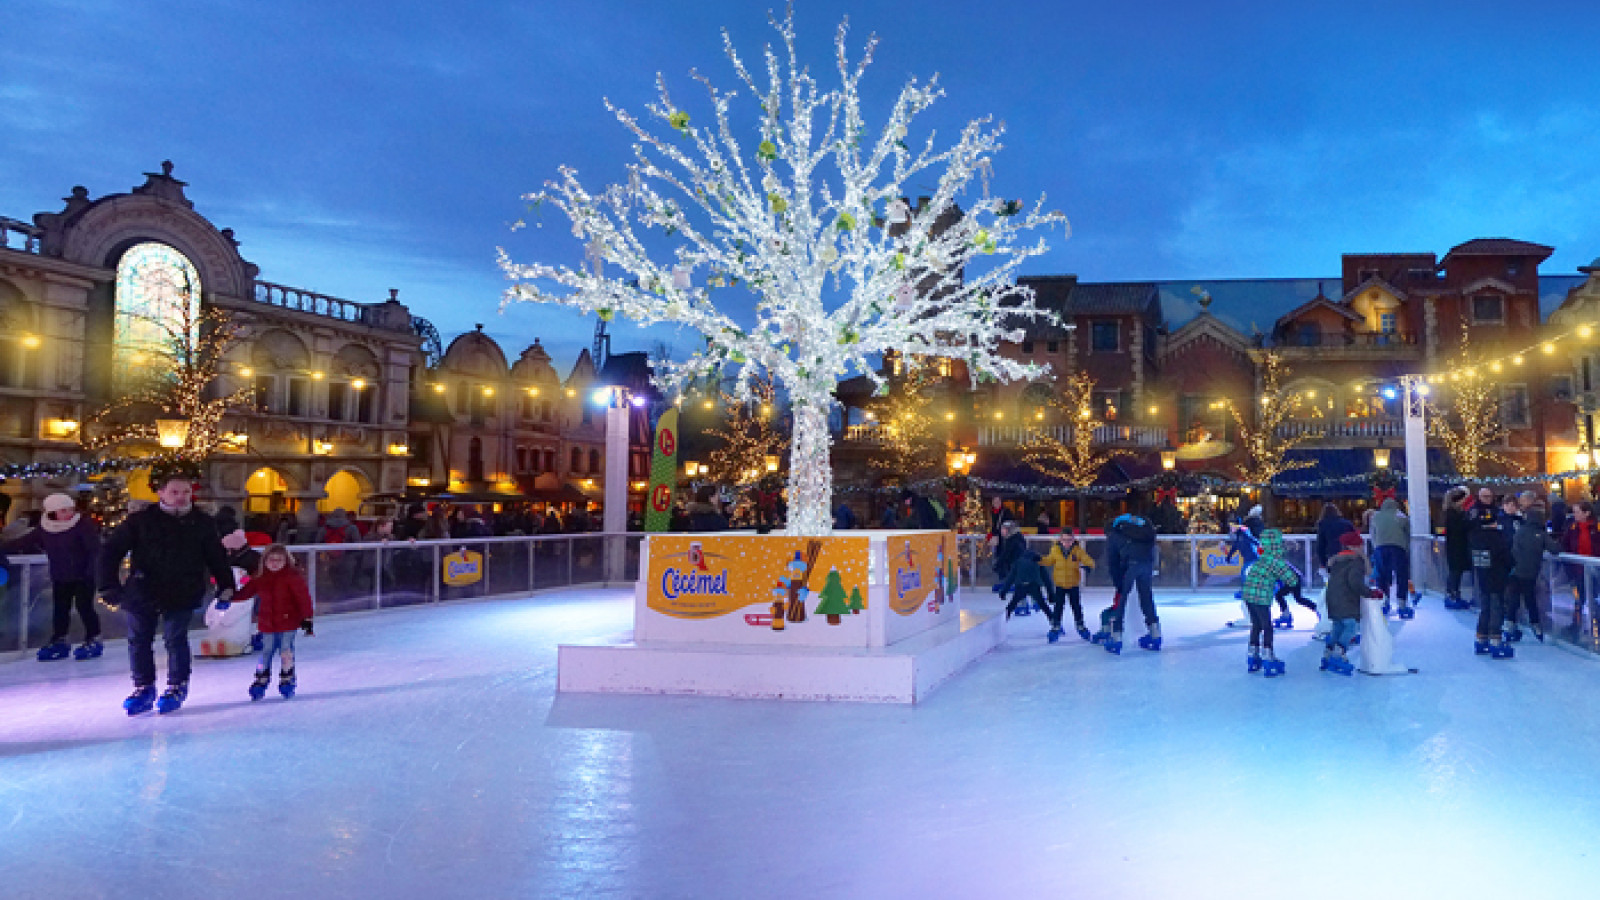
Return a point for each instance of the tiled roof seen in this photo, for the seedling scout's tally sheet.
(1500, 247)
(1111, 298)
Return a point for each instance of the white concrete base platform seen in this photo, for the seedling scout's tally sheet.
(904, 672)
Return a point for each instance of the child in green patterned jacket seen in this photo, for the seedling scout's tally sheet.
(1260, 587)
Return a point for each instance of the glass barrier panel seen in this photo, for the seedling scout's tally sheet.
(506, 568)
(551, 562)
(588, 560)
(344, 579)
(405, 574)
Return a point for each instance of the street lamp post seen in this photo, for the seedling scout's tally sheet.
(1415, 388)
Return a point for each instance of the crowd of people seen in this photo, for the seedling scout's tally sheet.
(1503, 541)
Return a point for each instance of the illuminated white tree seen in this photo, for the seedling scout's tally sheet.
(813, 223)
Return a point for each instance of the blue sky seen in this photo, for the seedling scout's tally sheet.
(356, 147)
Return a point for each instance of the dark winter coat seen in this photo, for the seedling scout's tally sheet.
(996, 519)
(1490, 541)
(283, 600)
(1026, 570)
(1116, 553)
(1328, 532)
(72, 552)
(173, 557)
(1573, 534)
(1139, 546)
(1347, 584)
(1007, 553)
(1457, 550)
(1528, 547)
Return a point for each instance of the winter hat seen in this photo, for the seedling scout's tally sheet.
(1350, 539)
(56, 503)
(1254, 510)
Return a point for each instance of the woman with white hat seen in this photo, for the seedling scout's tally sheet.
(71, 540)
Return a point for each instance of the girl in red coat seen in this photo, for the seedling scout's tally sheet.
(283, 605)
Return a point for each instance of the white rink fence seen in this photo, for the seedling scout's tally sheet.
(381, 575)
(367, 576)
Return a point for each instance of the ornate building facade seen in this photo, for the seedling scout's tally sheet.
(351, 401)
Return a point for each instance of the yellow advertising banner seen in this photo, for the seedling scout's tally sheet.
(462, 567)
(1214, 561)
(705, 576)
(922, 571)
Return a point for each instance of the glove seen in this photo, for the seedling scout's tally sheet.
(306, 627)
(222, 605)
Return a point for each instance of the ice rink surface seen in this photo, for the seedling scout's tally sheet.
(428, 755)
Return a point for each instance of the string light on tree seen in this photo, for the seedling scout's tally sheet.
(749, 436)
(909, 447)
(809, 217)
(1264, 442)
(183, 384)
(1075, 460)
(1470, 424)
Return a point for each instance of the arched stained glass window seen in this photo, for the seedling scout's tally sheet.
(158, 295)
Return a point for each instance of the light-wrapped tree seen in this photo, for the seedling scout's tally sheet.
(1075, 460)
(749, 434)
(1262, 439)
(1470, 424)
(181, 379)
(909, 447)
(809, 221)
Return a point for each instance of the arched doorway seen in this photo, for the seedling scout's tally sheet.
(268, 492)
(345, 490)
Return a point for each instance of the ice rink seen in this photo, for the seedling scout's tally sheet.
(427, 755)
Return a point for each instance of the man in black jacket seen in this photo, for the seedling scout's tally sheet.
(175, 550)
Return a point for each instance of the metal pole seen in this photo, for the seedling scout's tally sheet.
(533, 550)
(615, 520)
(1416, 403)
(377, 579)
(571, 544)
(437, 575)
(1194, 562)
(22, 607)
(311, 576)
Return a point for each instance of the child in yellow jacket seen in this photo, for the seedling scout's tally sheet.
(1067, 560)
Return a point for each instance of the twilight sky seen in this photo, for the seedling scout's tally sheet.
(356, 147)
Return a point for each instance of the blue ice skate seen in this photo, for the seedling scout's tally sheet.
(1099, 637)
(172, 699)
(1342, 666)
(1284, 621)
(1151, 641)
(58, 648)
(1272, 668)
(1114, 644)
(1513, 635)
(1054, 635)
(90, 649)
(142, 700)
(1084, 633)
(1502, 651)
(286, 683)
(1386, 607)
(1481, 648)
(1252, 663)
(1407, 612)
(258, 688)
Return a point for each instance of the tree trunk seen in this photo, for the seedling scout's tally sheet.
(810, 470)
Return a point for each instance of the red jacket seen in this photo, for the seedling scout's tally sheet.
(285, 601)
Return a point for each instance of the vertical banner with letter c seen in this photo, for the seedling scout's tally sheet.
(663, 473)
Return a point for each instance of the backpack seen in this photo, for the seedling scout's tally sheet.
(1137, 530)
(333, 536)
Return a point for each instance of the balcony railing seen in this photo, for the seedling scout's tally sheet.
(867, 433)
(1108, 434)
(18, 235)
(1348, 428)
(1390, 341)
(311, 302)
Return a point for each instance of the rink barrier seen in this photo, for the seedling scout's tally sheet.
(1182, 560)
(381, 575)
(368, 575)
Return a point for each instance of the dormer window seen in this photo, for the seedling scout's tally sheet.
(1308, 334)
(1488, 309)
(1514, 268)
